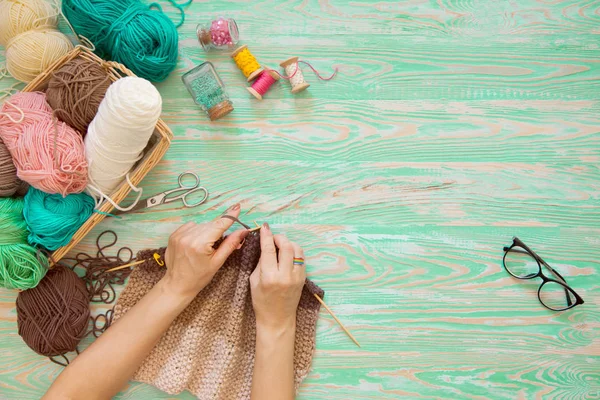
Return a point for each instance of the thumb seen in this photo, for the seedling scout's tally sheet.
(229, 245)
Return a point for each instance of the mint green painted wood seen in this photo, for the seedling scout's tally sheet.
(453, 125)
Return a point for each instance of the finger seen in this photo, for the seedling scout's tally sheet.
(299, 269)
(268, 255)
(229, 245)
(217, 228)
(286, 253)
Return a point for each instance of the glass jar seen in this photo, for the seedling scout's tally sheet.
(221, 33)
(208, 90)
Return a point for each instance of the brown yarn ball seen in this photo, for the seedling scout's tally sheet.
(75, 92)
(53, 317)
(9, 183)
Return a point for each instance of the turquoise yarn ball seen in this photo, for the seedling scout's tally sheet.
(52, 220)
(129, 32)
(21, 265)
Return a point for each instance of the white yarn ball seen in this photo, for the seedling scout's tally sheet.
(117, 136)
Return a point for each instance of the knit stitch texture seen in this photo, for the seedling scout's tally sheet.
(209, 349)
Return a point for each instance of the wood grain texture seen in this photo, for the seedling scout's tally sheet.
(453, 125)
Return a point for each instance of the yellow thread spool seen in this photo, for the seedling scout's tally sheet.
(246, 62)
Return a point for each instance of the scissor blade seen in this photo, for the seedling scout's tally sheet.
(141, 204)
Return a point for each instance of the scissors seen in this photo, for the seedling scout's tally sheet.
(168, 197)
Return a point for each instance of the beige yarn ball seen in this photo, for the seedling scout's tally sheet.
(31, 52)
(18, 16)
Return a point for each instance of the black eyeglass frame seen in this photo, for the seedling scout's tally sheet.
(517, 242)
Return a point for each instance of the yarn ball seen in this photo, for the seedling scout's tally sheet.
(120, 132)
(75, 92)
(18, 16)
(9, 183)
(53, 317)
(48, 154)
(52, 220)
(30, 53)
(129, 32)
(21, 267)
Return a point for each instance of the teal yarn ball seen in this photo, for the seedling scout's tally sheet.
(129, 32)
(21, 265)
(52, 220)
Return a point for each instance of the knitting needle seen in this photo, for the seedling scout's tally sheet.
(126, 266)
(337, 320)
(255, 229)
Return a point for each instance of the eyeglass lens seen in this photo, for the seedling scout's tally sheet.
(520, 263)
(554, 296)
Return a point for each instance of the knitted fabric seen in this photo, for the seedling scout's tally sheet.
(209, 349)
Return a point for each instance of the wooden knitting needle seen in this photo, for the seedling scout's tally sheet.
(126, 266)
(337, 320)
(255, 229)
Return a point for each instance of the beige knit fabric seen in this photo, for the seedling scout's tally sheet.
(209, 348)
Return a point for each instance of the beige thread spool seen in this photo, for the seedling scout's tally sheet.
(246, 62)
(297, 80)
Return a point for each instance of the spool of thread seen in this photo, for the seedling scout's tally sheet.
(117, 136)
(53, 317)
(129, 32)
(21, 267)
(75, 92)
(52, 220)
(48, 154)
(28, 31)
(246, 62)
(292, 69)
(9, 183)
(264, 82)
(208, 91)
(219, 33)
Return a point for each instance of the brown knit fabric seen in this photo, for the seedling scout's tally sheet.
(209, 348)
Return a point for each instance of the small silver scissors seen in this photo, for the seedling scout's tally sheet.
(163, 198)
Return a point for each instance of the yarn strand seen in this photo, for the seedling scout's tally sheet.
(288, 77)
(103, 196)
(178, 6)
(7, 115)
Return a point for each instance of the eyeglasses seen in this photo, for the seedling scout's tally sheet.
(522, 263)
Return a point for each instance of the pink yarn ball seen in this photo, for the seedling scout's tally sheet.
(48, 154)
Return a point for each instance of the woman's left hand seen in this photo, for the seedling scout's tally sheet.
(191, 259)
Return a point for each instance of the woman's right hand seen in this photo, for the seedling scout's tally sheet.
(277, 283)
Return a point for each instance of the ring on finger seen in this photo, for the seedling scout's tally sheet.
(299, 261)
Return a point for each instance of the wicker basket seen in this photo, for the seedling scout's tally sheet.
(156, 149)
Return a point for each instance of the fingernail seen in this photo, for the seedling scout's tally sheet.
(234, 207)
(266, 226)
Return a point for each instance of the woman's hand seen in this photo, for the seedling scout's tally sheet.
(277, 283)
(191, 259)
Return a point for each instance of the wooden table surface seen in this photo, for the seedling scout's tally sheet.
(452, 126)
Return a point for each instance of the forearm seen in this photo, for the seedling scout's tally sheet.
(104, 368)
(273, 376)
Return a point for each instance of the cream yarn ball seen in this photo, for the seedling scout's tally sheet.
(28, 31)
(18, 16)
(30, 53)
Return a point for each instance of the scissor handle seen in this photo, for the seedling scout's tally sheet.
(183, 186)
(189, 205)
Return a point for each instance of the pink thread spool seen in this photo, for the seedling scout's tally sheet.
(218, 34)
(263, 83)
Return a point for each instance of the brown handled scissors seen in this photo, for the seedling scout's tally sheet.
(169, 196)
